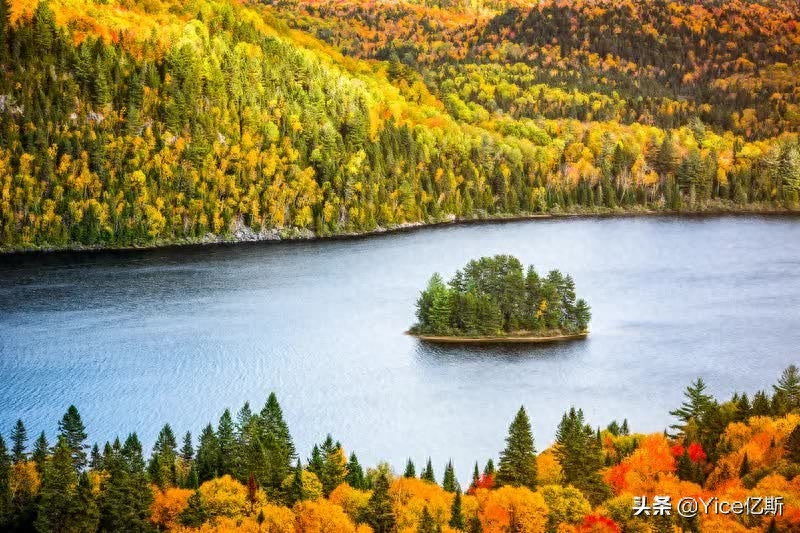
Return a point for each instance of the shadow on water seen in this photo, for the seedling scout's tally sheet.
(438, 353)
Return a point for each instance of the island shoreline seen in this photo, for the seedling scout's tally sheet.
(295, 235)
(510, 339)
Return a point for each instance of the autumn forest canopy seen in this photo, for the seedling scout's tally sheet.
(245, 474)
(130, 122)
(494, 296)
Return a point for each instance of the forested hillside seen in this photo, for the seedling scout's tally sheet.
(135, 122)
(245, 474)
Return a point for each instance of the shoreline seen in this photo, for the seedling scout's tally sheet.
(511, 339)
(290, 235)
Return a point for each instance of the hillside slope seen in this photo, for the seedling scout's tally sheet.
(136, 122)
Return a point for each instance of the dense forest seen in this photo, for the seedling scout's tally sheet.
(494, 296)
(135, 122)
(245, 474)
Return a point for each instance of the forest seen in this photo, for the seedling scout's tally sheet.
(493, 296)
(147, 122)
(245, 474)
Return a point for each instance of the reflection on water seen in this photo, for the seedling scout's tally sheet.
(136, 339)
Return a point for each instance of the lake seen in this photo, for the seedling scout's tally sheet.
(136, 339)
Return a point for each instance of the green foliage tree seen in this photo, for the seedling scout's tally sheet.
(518, 460)
(580, 456)
(72, 429)
(379, 514)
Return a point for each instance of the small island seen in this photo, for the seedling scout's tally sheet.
(495, 300)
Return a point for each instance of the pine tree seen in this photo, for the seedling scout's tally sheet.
(489, 469)
(379, 514)
(476, 476)
(792, 445)
(187, 450)
(5, 482)
(226, 440)
(518, 460)
(334, 466)
(95, 458)
(475, 525)
(207, 460)
(57, 497)
(278, 444)
(355, 474)
(456, 513)
(195, 513)
(624, 430)
(316, 461)
(580, 456)
(427, 473)
(426, 523)
(411, 470)
(788, 387)
(72, 429)
(744, 469)
(693, 408)
(19, 439)
(296, 493)
(86, 515)
(162, 467)
(41, 450)
(449, 483)
(761, 405)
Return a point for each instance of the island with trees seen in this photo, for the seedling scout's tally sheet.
(494, 299)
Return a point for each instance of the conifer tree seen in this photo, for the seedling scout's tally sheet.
(195, 513)
(187, 450)
(624, 430)
(334, 466)
(456, 513)
(95, 458)
(427, 473)
(57, 497)
(379, 514)
(761, 404)
(792, 445)
(489, 469)
(41, 449)
(296, 493)
(207, 461)
(788, 387)
(72, 429)
(162, 468)
(5, 482)
(449, 483)
(355, 474)
(476, 476)
(316, 461)
(744, 469)
(226, 440)
(426, 523)
(580, 456)
(518, 460)
(410, 470)
(475, 525)
(277, 442)
(19, 439)
(694, 407)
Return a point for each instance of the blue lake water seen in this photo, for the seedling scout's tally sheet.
(137, 339)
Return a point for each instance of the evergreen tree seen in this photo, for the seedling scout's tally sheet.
(475, 525)
(226, 440)
(761, 404)
(792, 445)
(41, 449)
(624, 430)
(788, 387)
(207, 461)
(427, 473)
(86, 514)
(95, 458)
(411, 471)
(355, 474)
(489, 469)
(449, 483)
(195, 513)
(296, 493)
(695, 405)
(518, 460)
(476, 476)
(162, 467)
(379, 514)
(5, 483)
(744, 469)
(456, 513)
(580, 456)
(57, 498)
(426, 523)
(187, 450)
(334, 466)
(316, 461)
(277, 443)
(19, 438)
(72, 429)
